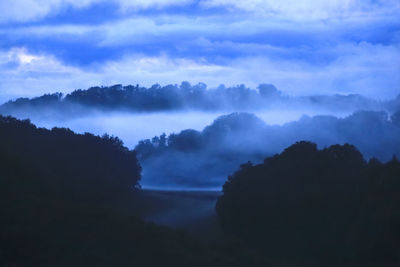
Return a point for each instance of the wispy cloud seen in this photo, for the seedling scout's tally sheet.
(363, 68)
(27, 10)
(31, 10)
(310, 9)
(141, 4)
(348, 46)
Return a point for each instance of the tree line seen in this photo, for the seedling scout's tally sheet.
(325, 207)
(194, 97)
(206, 157)
(66, 200)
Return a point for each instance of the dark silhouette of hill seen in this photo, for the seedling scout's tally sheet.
(70, 200)
(185, 96)
(74, 161)
(204, 158)
(317, 207)
(65, 201)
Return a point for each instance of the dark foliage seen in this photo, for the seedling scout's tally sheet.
(396, 118)
(207, 157)
(324, 207)
(65, 201)
(193, 158)
(74, 161)
(211, 138)
(185, 96)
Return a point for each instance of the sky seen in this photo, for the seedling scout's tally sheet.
(301, 46)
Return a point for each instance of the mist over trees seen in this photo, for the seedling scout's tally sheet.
(193, 158)
(67, 200)
(71, 198)
(197, 158)
(324, 207)
(187, 97)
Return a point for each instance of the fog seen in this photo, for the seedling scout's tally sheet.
(133, 127)
(130, 127)
(191, 137)
(200, 149)
(188, 98)
(206, 158)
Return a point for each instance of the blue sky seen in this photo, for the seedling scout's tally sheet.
(303, 46)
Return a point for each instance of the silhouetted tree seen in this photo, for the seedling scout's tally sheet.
(65, 200)
(185, 96)
(325, 206)
(268, 91)
(219, 148)
(396, 118)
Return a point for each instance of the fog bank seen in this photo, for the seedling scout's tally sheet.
(205, 158)
(133, 127)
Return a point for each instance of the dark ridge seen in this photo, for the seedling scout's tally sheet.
(72, 200)
(187, 96)
(74, 161)
(324, 207)
(65, 201)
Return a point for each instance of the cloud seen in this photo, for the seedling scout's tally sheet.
(289, 10)
(27, 10)
(31, 10)
(174, 31)
(143, 4)
(335, 46)
(361, 68)
(23, 74)
(310, 9)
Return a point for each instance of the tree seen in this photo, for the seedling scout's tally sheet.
(396, 118)
(268, 91)
(316, 205)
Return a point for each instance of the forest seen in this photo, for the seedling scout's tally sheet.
(327, 205)
(185, 96)
(199, 133)
(75, 199)
(205, 158)
(62, 204)
(320, 190)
